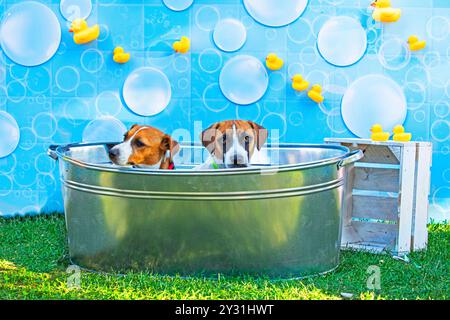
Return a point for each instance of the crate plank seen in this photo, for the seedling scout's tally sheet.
(373, 232)
(376, 179)
(375, 208)
(420, 232)
(406, 197)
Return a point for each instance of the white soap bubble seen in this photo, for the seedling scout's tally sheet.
(229, 35)
(440, 130)
(373, 99)
(275, 13)
(342, 41)
(75, 9)
(9, 133)
(44, 125)
(92, 60)
(104, 129)
(108, 103)
(67, 78)
(438, 27)
(30, 33)
(394, 54)
(210, 60)
(147, 91)
(178, 5)
(243, 79)
(442, 109)
(206, 18)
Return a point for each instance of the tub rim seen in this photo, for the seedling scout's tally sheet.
(348, 157)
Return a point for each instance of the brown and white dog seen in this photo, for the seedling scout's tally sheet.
(145, 146)
(232, 143)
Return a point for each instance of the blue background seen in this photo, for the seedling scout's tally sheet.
(47, 115)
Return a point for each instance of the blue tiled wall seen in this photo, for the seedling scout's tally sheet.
(48, 112)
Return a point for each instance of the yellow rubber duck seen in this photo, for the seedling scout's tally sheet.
(415, 44)
(378, 134)
(384, 12)
(182, 46)
(400, 134)
(120, 56)
(273, 62)
(298, 83)
(82, 33)
(316, 93)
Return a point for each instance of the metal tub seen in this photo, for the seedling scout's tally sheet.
(280, 218)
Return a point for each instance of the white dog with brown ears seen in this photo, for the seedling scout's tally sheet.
(232, 143)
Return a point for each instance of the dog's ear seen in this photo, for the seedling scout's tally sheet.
(134, 125)
(261, 134)
(208, 137)
(167, 143)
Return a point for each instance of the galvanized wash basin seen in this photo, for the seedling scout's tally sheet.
(279, 218)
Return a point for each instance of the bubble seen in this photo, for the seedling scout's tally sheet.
(67, 78)
(18, 72)
(74, 9)
(300, 32)
(277, 81)
(276, 122)
(440, 130)
(442, 109)
(178, 5)
(342, 41)
(181, 64)
(295, 68)
(211, 98)
(416, 95)
(243, 79)
(229, 35)
(44, 125)
(335, 122)
(30, 33)
(275, 13)
(373, 99)
(6, 184)
(431, 59)
(296, 118)
(441, 193)
(418, 74)
(250, 112)
(147, 91)
(9, 133)
(27, 139)
(75, 110)
(210, 60)
(43, 163)
(206, 18)
(38, 79)
(16, 91)
(92, 60)
(419, 116)
(105, 129)
(108, 103)
(446, 175)
(438, 27)
(308, 56)
(394, 54)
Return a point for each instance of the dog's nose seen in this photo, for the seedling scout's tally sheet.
(238, 159)
(113, 152)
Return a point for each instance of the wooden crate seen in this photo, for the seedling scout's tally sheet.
(386, 199)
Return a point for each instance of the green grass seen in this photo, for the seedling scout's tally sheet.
(33, 262)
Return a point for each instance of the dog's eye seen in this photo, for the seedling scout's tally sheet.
(247, 138)
(139, 144)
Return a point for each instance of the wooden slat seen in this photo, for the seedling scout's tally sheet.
(375, 208)
(376, 179)
(420, 232)
(377, 233)
(406, 198)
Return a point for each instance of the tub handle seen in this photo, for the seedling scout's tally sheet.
(354, 156)
(52, 152)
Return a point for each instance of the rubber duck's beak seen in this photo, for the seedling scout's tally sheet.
(70, 30)
(373, 4)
